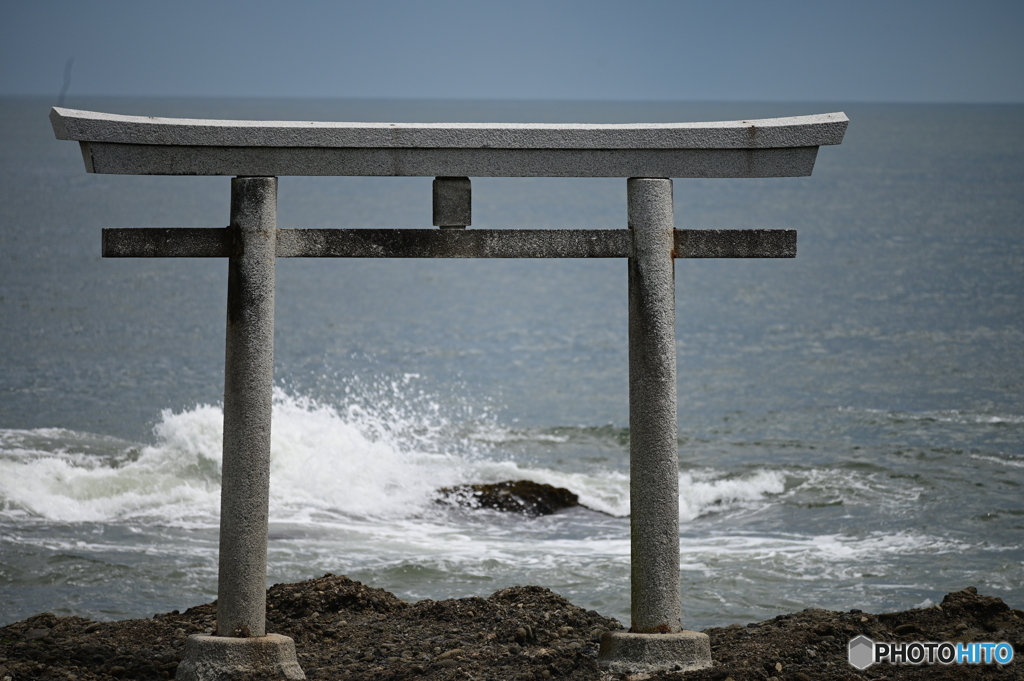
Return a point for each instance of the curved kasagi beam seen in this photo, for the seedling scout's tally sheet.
(776, 147)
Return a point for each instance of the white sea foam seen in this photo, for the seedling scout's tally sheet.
(353, 487)
(1004, 460)
(327, 462)
(943, 416)
(701, 493)
(815, 556)
(352, 491)
(816, 487)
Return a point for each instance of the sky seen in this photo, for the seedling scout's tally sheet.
(640, 50)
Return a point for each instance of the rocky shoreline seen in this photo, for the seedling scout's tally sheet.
(346, 630)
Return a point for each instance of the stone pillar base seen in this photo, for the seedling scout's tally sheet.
(222, 658)
(622, 652)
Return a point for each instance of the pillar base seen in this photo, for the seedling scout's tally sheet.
(222, 658)
(622, 652)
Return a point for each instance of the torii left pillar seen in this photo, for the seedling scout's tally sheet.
(241, 646)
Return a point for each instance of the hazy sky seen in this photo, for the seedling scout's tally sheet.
(786, 50)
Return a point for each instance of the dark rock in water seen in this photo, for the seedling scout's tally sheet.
(514, 496)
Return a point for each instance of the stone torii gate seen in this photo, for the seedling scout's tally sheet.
(256, 153)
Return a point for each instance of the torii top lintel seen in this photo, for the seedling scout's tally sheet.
(140, 145)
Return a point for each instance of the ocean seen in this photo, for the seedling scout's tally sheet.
(851, 422)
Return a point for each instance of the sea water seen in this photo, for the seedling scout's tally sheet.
(851, 422)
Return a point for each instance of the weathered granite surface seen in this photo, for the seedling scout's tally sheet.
(795, 131)
(139, 145)
(189, 242)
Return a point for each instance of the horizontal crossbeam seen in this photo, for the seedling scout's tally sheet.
(448, 243)
(147, 159)
(145, 145)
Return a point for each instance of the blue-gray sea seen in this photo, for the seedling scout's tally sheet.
(851, 422)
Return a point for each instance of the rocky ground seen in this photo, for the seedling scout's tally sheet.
(346, 630)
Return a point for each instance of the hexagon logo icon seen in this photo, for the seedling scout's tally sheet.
(861, 652)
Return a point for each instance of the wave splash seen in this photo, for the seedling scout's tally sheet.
(327, 463)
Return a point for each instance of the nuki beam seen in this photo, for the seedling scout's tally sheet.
(446, 243)
(257, 152)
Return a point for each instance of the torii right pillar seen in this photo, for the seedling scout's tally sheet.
(656, 639)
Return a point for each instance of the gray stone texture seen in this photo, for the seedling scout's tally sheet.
(137, 159)
(794, 131)
(159, 242)
(219, 658)
(454, 243)
(453, 202)
(653, 447)
(735, 243)
(248, 387)
(623, 652)
(431, 243)
(145, 145)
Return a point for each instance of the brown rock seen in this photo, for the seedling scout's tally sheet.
(344, 629)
